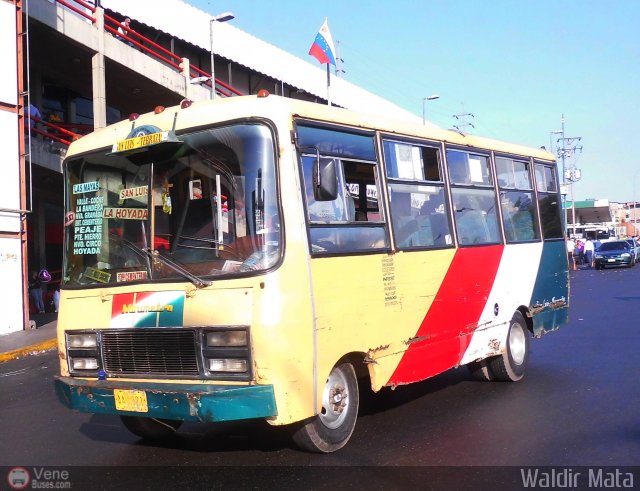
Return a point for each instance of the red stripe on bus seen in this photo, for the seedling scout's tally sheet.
(445, 332)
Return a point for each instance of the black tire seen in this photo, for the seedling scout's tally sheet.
(331, 429)
(481, 371)
(511, 365)
(151, 428)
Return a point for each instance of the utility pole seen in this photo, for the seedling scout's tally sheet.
(462, 117)
(567, 149)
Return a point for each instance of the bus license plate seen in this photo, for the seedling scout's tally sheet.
(131, 400)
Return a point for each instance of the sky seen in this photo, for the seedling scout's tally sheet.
(517, 66)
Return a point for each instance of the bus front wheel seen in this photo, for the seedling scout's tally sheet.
(150, 428)
(511, 365)
(331, 429)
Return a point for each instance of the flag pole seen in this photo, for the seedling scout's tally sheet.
(328, 84)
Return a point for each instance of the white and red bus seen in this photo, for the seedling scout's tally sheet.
(257, 257)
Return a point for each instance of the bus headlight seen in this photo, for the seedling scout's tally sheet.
(83, 353)
(84, 363)
(227, 338)
(226, 352)
(233, 365)
(84, 340)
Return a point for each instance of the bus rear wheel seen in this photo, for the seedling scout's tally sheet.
(511, 365)
(481, 371)
(331, 429)
(150, 428)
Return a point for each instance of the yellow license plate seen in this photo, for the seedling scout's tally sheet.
(131, 400)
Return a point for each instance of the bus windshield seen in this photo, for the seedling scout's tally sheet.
(204, 206)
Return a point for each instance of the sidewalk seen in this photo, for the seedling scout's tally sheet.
(31, 341)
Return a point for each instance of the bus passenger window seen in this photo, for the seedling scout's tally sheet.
(353, 221)
(418, 216)
(516, 199)
(476, 218)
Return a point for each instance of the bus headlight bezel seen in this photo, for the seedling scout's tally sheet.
(83, 353)
(226, 352)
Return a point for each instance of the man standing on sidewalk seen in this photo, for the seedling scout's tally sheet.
(35, 292)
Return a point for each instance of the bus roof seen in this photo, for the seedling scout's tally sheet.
(203, 113)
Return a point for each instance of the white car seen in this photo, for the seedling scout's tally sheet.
(635, 247)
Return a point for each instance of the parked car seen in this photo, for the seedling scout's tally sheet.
(636, 248)
(614, 253)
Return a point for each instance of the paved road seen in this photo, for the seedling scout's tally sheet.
(577, 406)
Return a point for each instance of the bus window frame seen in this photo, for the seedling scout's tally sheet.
(488, 154)
(385, 138)
(304, 150)
(532, 190)
(552, 164)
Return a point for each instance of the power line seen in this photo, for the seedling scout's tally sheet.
(463, 122)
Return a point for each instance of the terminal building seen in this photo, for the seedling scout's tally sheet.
(68, 59)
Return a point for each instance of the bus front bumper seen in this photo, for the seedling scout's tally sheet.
(186, 402)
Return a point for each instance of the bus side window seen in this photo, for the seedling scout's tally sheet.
(332, 223)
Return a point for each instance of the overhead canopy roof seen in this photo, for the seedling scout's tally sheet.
(191, 24)
(590, 211)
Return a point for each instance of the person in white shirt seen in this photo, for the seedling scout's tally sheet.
(589, 248)
(571, 247)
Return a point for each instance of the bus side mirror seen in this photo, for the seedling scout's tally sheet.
(325, 180)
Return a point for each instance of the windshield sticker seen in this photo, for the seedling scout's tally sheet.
(87, 230)
(133, 192)
(86, 187)
(125, 213)
(148, 309)
(96, 274)
(69, 218)
(195, 189)
(131, 276)
(141, 137)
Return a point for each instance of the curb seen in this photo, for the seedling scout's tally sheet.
(29, 350)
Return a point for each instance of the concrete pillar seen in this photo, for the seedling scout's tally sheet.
(98, 76)
(186, 73)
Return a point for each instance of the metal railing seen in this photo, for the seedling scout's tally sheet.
(56, 131)
(148, 46)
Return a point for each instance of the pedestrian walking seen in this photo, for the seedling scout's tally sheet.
(35, 292)
(579, 252)
(589, 249)
(571, 246)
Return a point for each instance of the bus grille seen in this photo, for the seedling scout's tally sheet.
(150, 352)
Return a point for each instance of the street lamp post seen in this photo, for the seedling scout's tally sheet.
(224, 17)
(424, 102)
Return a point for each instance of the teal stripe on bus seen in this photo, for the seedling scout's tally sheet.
(550, 298)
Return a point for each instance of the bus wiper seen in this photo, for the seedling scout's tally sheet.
(155, 255)
(196, 280)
